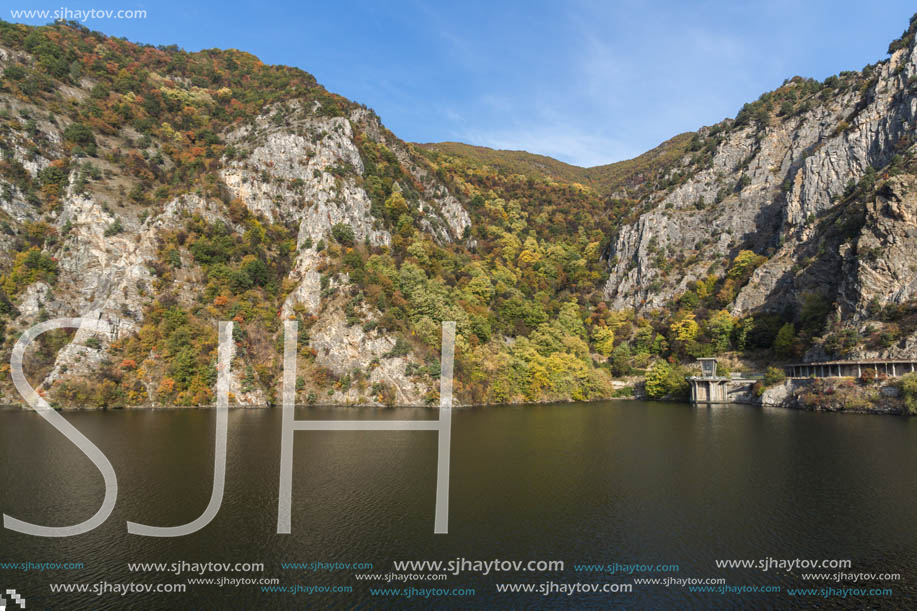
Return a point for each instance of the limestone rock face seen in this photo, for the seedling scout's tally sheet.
(785, 394)
(304, 172)
(108, 277)
(288, 177)
(765, 189)
(884, 271)
(776, 185)
(345, 349)
(776, 396)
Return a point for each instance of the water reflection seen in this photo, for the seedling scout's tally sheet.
(625, 482)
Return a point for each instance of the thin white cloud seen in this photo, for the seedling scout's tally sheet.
(597, 82)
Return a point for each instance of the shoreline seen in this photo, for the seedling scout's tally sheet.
(790, 402)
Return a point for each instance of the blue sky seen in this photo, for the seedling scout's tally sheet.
(585, 82)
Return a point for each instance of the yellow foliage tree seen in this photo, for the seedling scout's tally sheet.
(396, 205)
(510, 246)
(685, 329)
(604, 339)
(529, 255)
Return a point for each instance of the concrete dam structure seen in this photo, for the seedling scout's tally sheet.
(708, 388)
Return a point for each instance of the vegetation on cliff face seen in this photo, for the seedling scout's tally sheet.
(131, 129)
(142, 125)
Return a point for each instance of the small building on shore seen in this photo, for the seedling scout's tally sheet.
(709, 388)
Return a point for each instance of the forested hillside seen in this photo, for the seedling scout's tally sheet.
(165, 191)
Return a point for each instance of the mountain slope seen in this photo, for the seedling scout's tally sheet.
(802, 178)
(794, 216)
(165, 191)
(620, 177)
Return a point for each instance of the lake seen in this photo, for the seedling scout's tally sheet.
(626, 482)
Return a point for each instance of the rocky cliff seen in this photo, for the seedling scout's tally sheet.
(816, 179)
(164, 191)
(99, 205)
(766, 182)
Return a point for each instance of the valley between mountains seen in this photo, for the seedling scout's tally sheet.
(165, 190)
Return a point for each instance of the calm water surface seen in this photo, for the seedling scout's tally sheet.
(626, 482)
